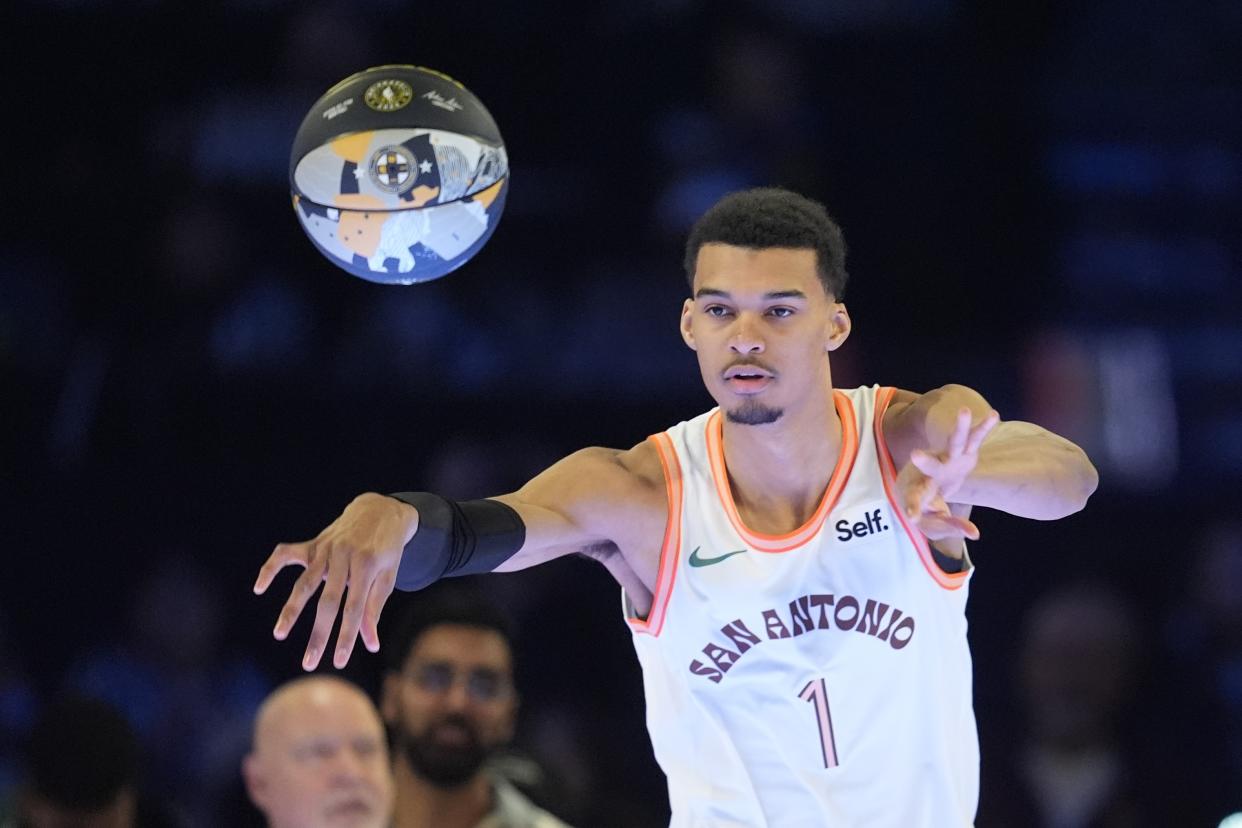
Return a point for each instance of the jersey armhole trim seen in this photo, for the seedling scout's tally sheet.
(888, 473)
(670, 549)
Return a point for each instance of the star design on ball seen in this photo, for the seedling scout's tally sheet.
(425, 166)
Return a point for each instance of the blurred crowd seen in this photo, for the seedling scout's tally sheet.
(1041, 201)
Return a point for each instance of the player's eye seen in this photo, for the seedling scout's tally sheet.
(781, 312)
(718, 311)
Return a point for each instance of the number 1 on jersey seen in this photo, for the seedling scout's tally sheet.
(816, 692)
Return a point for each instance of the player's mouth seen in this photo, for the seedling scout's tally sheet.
(748, 379)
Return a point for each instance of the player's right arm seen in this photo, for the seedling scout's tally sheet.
(595, 500)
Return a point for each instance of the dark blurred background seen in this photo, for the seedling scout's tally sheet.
(1043, 201)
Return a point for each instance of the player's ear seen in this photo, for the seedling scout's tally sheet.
(839, 327)
(687, 315)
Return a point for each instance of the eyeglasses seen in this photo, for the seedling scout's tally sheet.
(482, 684)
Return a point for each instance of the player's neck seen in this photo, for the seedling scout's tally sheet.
(419, 804)
(778, 472)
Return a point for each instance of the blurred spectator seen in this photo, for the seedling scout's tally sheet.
(190, 701)
(1204, 678)
(82, 769)
(1083, 760)
(319, 757)
(451, 705)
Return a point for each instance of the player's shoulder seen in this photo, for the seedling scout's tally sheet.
(899, 405)
(901, 424)
(620, 493)
(638, 466)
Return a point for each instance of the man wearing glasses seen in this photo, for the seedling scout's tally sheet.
(449, 702)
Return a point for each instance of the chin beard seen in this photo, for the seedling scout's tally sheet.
(753, 412)
(444, 766)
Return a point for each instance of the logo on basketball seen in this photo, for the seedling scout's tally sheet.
(339, 109)
(437, 99)
(393, 169)
(388, 95)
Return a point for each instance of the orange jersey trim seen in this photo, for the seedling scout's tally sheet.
(800, 536)
(670, 549)
(888, 473)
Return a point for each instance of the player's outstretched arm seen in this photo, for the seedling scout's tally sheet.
(950, 444)
(361, 556)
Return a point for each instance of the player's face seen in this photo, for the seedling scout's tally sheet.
(762, 326)
(326, 766)
(453, 703)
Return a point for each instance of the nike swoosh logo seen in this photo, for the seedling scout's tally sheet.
(695, 560)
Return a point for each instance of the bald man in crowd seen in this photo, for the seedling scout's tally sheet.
(319, 758)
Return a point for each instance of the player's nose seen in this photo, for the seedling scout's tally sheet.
(745, 338)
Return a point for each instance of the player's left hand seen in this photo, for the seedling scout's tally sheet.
(360, 551)
(928, 482)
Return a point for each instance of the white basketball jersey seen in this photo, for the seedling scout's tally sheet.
(819, 678)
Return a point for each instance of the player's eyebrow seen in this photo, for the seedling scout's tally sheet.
(772, 294)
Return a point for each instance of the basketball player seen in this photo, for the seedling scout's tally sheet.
(793, 561)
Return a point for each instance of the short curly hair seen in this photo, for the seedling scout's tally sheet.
(773, 217)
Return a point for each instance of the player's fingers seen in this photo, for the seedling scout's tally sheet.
(381, 589)
(961, 431)
(360, 579)
(303, 588)
(980, 432)
(928, 464)
(924, 498)
(959, 527)
(933, 501)
(325, 612)
(915, 493)
(285, 554)
(937, 527)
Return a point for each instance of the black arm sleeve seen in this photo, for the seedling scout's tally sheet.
(457, 538)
